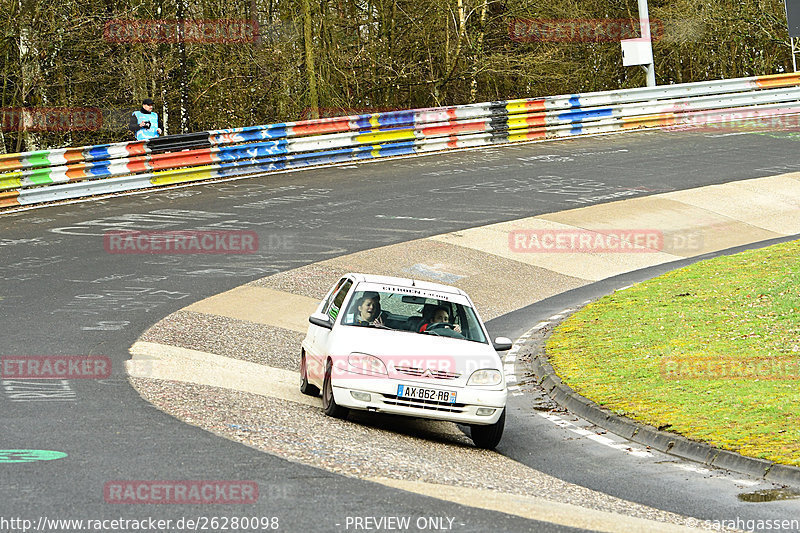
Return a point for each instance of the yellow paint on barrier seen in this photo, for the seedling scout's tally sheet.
(649, 121)
(181, 175)
(376, 150)
(374, 121)
(385, 136)
(12, 180)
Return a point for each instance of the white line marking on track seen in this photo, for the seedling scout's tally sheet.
(600, 439)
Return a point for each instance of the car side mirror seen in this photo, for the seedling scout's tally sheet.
(502, 344)
(322, 320)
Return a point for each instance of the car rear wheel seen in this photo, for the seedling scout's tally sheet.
(305, 386)
(328, 401)
(488, 436)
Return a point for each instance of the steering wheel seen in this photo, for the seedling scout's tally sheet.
(439, 325)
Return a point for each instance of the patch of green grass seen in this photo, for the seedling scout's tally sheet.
(739, 312)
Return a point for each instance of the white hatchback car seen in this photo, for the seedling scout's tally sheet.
(405, 347)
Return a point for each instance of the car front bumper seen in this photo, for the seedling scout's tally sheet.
(384, 399)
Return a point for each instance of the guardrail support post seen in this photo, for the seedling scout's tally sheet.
(644, 23)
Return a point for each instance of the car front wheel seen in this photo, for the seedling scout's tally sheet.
(488, 436)
(305, 386)
(328, 401)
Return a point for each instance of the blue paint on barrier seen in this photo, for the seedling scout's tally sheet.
(401, 148)
(580, 116)
(575, 100)
(99, 170)
(99, 151)
(396, 118)
(253, 150)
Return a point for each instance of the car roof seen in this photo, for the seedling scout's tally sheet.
(405, 282)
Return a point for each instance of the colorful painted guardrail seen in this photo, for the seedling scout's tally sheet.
(51, 175)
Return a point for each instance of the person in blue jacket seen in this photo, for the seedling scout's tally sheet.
(144, 123)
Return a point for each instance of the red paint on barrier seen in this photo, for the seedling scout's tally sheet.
(136, 148)
(314, 127)
(535, 105)
(188, 158)
(136, 165)
(534, 120)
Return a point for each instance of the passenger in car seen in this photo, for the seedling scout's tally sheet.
(440, 315)
(369, 310)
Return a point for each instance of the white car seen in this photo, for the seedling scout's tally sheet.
(405, 347)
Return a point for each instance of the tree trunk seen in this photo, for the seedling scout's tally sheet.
(309, 59)
(473, 85)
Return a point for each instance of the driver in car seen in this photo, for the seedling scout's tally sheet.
(369, 310)
(440, 316)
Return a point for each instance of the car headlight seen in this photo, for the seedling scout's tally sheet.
(366, 364)
(487, 376)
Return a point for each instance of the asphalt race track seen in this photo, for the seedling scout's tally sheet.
(62, 294)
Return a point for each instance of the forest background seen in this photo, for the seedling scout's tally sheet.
(285, 60)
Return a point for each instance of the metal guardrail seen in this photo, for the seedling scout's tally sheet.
(51, 175)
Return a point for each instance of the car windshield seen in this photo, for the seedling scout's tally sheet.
(415, 314)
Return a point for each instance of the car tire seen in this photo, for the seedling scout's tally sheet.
(329, 404)
(306, 387)
(488, 436)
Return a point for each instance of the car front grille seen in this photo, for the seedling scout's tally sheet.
(431, 405)
(419, 372)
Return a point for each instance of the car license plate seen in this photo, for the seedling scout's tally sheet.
(421, 393)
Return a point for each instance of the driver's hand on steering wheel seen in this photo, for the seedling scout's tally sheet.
(378, 321)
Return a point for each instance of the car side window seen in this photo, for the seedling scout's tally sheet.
(338, 299)
(331, 295)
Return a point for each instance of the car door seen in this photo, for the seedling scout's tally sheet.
(321, 336)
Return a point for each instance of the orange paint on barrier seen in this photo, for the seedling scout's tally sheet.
(138, 164)
(10, 163)
(539, 133)
(77, 174)
(515, 106)
(651, 121)
(537, 119)
(73, 155)
(136, 148)
(9, 199)
(778, 80)
(181, 159)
